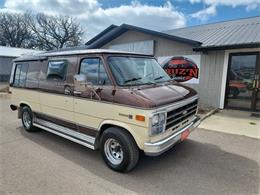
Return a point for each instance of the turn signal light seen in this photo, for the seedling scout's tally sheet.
(140, 118)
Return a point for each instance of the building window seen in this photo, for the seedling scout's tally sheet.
(94, 69)
(20, 75)
(57, 70)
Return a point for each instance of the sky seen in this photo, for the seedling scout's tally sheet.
(159, 15)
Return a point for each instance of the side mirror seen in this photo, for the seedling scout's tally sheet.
(80, 83)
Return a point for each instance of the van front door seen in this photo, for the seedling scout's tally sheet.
(93, 105)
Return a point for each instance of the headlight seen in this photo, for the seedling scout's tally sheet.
(158, 122)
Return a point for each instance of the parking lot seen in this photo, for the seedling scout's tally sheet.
(42, 163)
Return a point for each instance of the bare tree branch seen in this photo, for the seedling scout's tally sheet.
(39, 31)
(14, 30)
(54, 32)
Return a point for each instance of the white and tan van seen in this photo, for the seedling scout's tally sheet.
(119, 102)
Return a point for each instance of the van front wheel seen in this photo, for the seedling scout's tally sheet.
(119, 150)
(27, 119)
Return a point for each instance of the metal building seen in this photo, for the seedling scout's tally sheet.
(225, 55)
(7, 54)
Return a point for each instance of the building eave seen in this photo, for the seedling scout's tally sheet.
(102, 33)
(226, 47)
(113, 32)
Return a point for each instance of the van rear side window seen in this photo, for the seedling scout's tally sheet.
(20, 75)
(57, 70)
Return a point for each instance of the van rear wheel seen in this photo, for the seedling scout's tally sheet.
(119, 150)
(27, 119)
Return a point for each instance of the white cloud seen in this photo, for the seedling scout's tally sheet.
(204, 14)
(252, 7)
(95, 18)
(232, 3)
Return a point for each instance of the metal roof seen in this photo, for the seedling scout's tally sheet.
(219, 35)
(72, 51)
(15, 52)
(113, 32)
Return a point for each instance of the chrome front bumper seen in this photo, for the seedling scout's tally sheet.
(157, 148)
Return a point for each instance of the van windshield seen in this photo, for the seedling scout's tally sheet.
(136, 70)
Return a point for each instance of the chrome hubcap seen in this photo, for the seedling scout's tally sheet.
(27, 120)
(113, 151)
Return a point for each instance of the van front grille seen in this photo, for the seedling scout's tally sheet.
(179, 115)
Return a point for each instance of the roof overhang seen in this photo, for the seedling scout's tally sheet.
(13, 52)
(113, 32)
(225, 47)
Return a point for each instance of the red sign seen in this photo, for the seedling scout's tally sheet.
(181, 69)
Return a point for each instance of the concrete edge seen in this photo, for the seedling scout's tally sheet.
(229, 133)
(211, 112)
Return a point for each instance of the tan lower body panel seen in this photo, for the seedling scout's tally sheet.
(87, 113)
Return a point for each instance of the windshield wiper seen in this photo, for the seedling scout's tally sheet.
(150, 83)
(133, 79)
(159, 77)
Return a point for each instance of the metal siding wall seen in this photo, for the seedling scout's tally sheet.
(211, 70)
(163, 47)
(5, 67)
(146, 47)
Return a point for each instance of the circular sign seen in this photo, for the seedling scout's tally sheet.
(181, 69)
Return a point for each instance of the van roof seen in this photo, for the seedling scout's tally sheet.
(71, 51)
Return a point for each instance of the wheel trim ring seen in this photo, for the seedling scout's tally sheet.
(27, 119)
(113, 154)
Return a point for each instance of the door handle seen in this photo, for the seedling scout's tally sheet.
(257, 84)
(77, 92)
(254, 83)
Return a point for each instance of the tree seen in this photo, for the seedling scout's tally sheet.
(54, 32)
(14, 30)
(39, 31)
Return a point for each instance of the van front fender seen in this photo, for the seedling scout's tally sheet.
(140, 134)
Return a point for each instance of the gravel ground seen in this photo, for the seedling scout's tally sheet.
(42, 163)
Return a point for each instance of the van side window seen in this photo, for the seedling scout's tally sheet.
(94, 69)
(20, 75)
(57, 70)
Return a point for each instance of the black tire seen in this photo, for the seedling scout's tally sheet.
(27, 119)
(128, 148)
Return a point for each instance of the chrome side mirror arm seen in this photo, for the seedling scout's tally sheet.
(94, 91)
(81, 84)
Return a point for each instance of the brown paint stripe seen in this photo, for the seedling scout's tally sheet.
(70, 125)
(87, 131)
